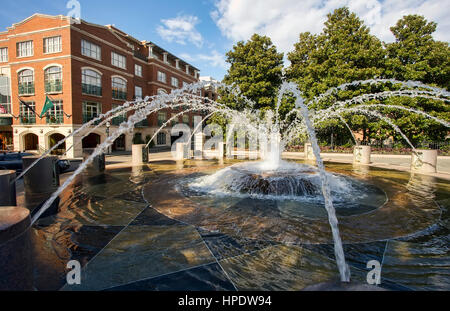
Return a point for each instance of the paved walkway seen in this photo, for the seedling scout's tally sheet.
(397, 162)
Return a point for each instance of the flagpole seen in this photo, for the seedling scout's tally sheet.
(28, 106)
(53, 100)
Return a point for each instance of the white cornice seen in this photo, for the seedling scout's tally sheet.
(37, 31)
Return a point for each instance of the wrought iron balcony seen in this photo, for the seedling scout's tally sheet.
(118, 120)
(90, 89)
(121, 95)
(53, 87)
(88, 117)
(143, 123)
(55, 118)
(27, 119)
(26, 88)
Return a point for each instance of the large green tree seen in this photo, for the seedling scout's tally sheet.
(415, 55)
(256, 67)
(345, 51)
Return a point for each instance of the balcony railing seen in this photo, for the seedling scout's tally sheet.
(26, 88)
(29, 119)
(143, 123)
(140, 55)
(89, 117)
(116, 94)
(118, 120)
(90, 89)
(53, 87)
(55, 119)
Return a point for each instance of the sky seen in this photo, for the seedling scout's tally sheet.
(202, 31)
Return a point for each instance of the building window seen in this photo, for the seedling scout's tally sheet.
(162, 92)
(5, 95)
(91, 50)
(53, 79)
(55, 114)
(25, 49)
(185, 84)
(27, 115)
(91, 82)
(162, 117)
(119, 88)
(90, 111)
(118, 60)
(161, 138)
(26, 82)
(119, 119)
(138, 70)
(3, 55)
(161, 77)
(186, 119)
(137, 92)
(174, 82)
(52, 44)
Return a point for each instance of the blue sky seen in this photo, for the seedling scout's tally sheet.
(202, 31)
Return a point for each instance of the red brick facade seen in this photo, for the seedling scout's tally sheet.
(72, 61)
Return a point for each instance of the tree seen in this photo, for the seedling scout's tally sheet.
(415, 55)
(345, 51)
(256, 67)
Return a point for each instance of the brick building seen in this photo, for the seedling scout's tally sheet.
(86, 69)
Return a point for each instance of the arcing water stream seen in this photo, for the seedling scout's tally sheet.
(276, 133)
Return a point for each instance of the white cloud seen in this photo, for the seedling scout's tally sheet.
(283, 20)
(181, 29)
(212, 59)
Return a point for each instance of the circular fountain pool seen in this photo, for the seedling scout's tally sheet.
(286, 205)
(295, 188)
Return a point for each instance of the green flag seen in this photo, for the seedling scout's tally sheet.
(47, 106)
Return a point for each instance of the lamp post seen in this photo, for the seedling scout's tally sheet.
(108, 125)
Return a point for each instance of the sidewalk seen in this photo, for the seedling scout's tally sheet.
(398, 162)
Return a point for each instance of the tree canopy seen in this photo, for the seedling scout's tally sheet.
(343, 52)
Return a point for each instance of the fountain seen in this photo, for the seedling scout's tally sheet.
(271, 178)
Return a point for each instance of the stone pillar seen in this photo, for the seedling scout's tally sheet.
(198, 145)
(424, 161)
(97, 165)
(361, 155)
(8, 188)
(139, 154)
(16, 268)
(43, 177)
(309, 153)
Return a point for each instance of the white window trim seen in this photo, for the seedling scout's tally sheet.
(81, 49)
(53, 65)
(93, 69)
(120, 77)
(125, 62)
(43, 45)
(135, 66)
(32, 49)
(7, 54)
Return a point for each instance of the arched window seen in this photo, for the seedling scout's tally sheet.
(119, 88)
(91, 82)
(162, 92)
(26, 82)
(53, 79)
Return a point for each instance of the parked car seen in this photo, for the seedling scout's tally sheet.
(13, 161)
